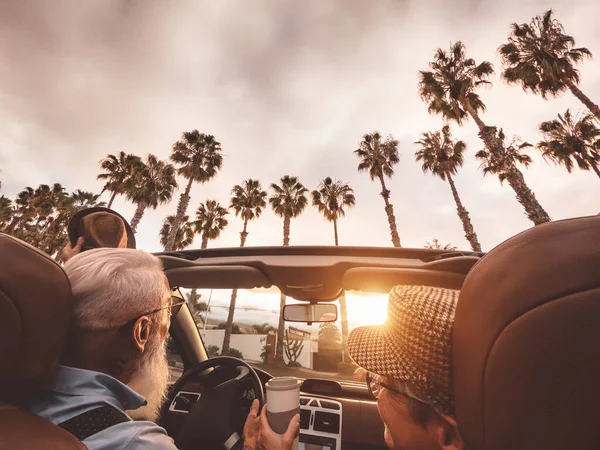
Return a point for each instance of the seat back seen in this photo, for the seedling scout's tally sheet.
(526, 344)
(35, 312)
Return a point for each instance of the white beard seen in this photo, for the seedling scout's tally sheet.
(151, 381)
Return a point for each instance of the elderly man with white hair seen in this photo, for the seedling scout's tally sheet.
(114, 368)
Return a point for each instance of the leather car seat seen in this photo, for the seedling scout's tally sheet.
(35, 312)
(526, 343)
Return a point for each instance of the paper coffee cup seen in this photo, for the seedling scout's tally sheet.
(283, 403)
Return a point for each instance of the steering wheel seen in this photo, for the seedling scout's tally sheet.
(217, 419)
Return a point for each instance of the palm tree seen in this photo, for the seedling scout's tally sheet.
(569, 140)
(449, 89)
(6, 211)
(288, 201)
(379, 158)
(504, 165)
(210, 221)
(118, 169)
(23, 212)
(247, 201)
(152, 185)
(199, 158)
(437, 245)
(442, 157)
(542, 58)
(184, 236)
(83, 199)
(330, 198)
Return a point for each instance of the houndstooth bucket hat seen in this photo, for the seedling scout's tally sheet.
(414, 345)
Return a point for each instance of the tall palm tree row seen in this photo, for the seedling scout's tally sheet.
(118, 170)
(572, 140)
(378, 158)
(442, 156)
(449, 89)
(288, 201)
(541, 57)
(330, 198)
(210, 221)
(247, 201)
(198, 157)
(39, 216)
(150, 186)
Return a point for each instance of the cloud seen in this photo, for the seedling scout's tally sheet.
(287, 88)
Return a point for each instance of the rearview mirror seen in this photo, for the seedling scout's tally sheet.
(309, 313)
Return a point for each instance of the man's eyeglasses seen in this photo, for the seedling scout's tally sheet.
(173, 307)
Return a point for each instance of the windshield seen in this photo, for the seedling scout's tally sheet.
(314, 351)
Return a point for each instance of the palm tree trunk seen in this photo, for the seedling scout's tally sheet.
(525, 196)
(112, 199)
(204, 241)
(280, 332)
(229, 326)
(343, 312)
(286, 230)
(463, 214)
(139, 212)
(389, 209)
(184, 201)
(344, 321)
(281, 327)
(335, 232)
(48, 242)
(595, 167)
(583, 98)
(244, 234)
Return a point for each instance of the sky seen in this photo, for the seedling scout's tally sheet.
(287, 88)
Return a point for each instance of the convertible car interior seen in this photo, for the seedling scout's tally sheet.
(526, 344)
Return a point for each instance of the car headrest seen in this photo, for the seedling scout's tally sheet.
(35, 312)
(526, 344)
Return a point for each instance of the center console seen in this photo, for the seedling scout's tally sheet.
(320, 424)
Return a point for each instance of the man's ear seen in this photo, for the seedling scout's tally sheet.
(448, 436)
(141, 332)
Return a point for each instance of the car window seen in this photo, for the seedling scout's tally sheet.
(314, 351)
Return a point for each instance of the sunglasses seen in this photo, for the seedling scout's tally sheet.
(377, 383)
(173, 307)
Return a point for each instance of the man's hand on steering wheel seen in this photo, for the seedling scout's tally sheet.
(251, 434)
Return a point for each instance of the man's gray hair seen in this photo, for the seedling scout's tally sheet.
(112, 286)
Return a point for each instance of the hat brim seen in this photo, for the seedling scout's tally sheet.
(372, 348)
(76, 219)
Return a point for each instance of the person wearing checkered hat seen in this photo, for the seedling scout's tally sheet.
(408, 365)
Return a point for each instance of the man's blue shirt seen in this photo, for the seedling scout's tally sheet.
(73, 391)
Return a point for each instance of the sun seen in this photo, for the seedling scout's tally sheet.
(366, 309)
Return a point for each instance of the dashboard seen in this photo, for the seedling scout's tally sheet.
(332, 415)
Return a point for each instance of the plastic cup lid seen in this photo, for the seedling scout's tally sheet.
(283, 383)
